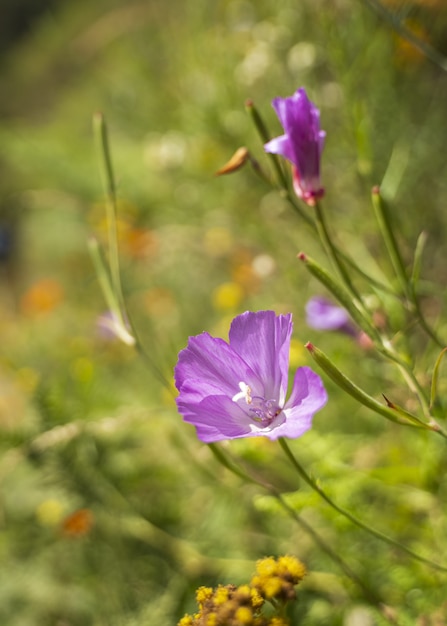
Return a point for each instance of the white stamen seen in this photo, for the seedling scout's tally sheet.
(260, 410)
(244, 394)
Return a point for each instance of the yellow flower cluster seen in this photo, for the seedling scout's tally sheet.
(276, 578)
(229, 605)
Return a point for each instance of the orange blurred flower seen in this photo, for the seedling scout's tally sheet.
(42, 297)
(406, 52)
(78, 523)
(140, 243)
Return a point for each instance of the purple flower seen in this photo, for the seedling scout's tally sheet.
(302, 143)
(238, 389)
(322, 314)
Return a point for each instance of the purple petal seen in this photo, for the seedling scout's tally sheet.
(322, 314)
(237, 390)
(262, 339)
(281, 145)
(216, 418)
(211, 363)
(308, 396)
(302, 143)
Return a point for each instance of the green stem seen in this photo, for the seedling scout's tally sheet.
(340, 293)
(264, 134)
(374, 282)
(408, 286)
(392, 414)
(384, 223)
(111, 282)
(381, 342)
(435, 378)
(399, 26)
(375, 533)
(333, 254)
(369, 594)
(119, 326)
(417, 262)
(101, 136)
(384, 345)
(281, 178)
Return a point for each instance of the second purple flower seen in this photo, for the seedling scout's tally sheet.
(302, 143)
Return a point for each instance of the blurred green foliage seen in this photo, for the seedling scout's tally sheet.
(111, 512)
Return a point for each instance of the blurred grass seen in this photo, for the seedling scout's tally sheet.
(85, 427)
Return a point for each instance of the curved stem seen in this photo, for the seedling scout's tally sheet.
(368, 593)
(375, 533)
(333, 254)
(383, 220)
(101, 136)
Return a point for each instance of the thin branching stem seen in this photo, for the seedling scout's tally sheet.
(352, 518)
(370, 595)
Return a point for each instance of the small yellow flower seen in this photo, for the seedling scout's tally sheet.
(256, 599)
(203, 594)
(220, 596)
(50, 512)
(186, 621)
(271, 587)
(212, 620)
(292, 568)
(266, 567)
(244, 615)
(278, 621)
(243, 592)
(227, 296)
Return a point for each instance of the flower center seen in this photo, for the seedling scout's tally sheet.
(259, 409)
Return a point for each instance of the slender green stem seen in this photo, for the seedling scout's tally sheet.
(287, 194)
(372, 531)
(383, 220)
(423, 322)
(435, 378)
(408, 286)
(264, 134)
(344, 297)
(101, 136)
(417, 263)
(415, 386)
(382, 343)
(369, 594)
(399, 26)
(361, 396)
(111, 281)
(281, 178)
(374, 282)
(334, 255)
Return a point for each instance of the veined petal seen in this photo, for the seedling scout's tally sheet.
(211, 361)
(262, 339)
(215, 418)
(285, 108)
(308, 396)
